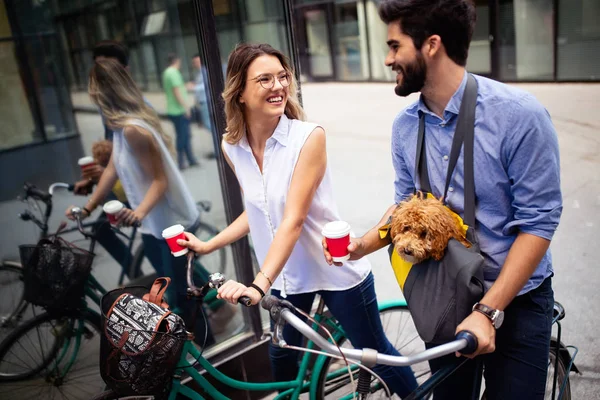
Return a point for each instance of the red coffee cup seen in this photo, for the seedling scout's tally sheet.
(172, 234)
(86, 162)
(112, 208)
(337, 236)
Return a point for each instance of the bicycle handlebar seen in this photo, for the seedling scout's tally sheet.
(215, 281)
(465, 342)
(32, 191)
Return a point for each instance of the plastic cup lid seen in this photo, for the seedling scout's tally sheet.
(113, 206)
(172, 231)
(85, 160)
(336, 229)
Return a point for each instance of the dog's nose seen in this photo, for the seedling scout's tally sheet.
(408, 252)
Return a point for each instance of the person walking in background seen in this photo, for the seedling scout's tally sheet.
(199, 88)
(178, 111)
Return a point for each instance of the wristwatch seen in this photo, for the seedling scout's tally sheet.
(496, 316)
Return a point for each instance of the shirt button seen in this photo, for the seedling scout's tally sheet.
(451, 189)
(443, 124)
(445, 158)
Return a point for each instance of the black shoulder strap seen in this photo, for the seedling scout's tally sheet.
(464, 133)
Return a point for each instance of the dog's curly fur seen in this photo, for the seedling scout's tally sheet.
(101, 152)
(421, 229)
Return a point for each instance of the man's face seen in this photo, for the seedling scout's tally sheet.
(406, 61)
(196, 63)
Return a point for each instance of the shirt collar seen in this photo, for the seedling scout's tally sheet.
(452, 107)
(280, 134)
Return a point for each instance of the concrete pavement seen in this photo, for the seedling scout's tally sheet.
(357, 119)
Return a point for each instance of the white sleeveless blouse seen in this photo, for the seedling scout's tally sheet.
(176, 206)
(265, 197)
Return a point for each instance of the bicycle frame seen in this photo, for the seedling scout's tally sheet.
(293, 389)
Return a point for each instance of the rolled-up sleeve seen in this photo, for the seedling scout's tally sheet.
(533, 167)
(403, 181)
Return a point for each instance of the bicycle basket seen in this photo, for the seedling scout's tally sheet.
(55, 273)
(141, 344)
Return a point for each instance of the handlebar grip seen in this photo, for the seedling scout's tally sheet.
(245, 300)
(33, 191)
(471, 339)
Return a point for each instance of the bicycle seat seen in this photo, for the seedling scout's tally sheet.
(559, 311)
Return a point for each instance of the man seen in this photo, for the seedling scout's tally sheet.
(517, 183)
(178, 110)
(200, 90)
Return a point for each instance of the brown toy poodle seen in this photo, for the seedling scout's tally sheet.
(421, 228)
(101, 152)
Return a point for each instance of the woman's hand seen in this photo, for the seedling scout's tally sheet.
(195, 244)
(231, 291)
(129, 217)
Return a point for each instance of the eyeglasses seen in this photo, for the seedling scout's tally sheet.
(267, 81)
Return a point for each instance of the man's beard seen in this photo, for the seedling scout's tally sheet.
(413, 77)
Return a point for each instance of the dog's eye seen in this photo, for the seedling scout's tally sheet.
(405, 229)
(423, 234)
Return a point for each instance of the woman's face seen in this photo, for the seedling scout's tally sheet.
(266, 90)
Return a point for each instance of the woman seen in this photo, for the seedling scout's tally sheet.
(281, 165)
(142, 160)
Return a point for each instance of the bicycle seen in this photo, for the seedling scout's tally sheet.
(314, 374)
(322, 382)
(12, 304)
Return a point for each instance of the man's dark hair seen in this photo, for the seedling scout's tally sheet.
(171, 57)
(452, 20)
(112, 49)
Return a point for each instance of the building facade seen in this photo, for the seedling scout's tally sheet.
(514, 40)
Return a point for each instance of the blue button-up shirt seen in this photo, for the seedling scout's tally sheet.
(517, 173)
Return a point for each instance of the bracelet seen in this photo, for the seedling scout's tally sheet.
(87, 211)
(265, 275)
(258, 289)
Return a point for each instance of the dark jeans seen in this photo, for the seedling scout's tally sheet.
(165, 264)
(114, 245)
(518, 368)
(356, 310)
(183, 140)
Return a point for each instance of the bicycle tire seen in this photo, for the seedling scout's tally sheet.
(561, 377)
(403, 336)
(46, 377)
(12, 291)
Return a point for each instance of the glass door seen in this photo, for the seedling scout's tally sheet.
(316, 56)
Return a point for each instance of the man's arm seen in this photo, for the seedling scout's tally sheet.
(532, 160)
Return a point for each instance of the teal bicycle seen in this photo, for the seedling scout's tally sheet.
(319, 376)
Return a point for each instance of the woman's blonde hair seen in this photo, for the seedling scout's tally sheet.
(237, 69)
(113, 90)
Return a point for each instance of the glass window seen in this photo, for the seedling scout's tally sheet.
(480, 57)
(578, 40)
(154, 23)
(351, 42)
(378, 48)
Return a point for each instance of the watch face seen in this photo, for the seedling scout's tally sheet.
(499, 318)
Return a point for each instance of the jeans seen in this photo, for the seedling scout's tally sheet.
(183, 140)
(205, 115)
(517, 369)
(158, 253)
(357, 312)
(111, 242)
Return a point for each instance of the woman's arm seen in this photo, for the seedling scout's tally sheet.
(147, 153)
(107, 181)
(234, 232)
(307, 177)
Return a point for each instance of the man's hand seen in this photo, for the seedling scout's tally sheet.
(480, 326)
(188, 113)
(356, 248)
(231, 291)
(93, 173)
(83, 187)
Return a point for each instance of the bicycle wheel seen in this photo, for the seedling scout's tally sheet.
(334, 381)
(215, 261)
(12, 303)
(52, 357)
(562, 379)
